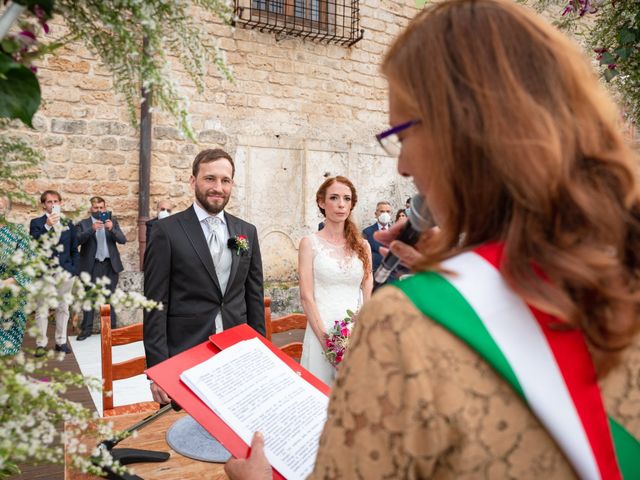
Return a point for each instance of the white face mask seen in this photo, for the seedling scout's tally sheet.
(384, 218)
(163, 214)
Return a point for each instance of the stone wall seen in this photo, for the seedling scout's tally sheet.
(296, 111)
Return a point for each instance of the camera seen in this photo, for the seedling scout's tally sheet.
(102, 216)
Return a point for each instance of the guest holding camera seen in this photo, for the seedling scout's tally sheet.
(52, 223)
(98, 237)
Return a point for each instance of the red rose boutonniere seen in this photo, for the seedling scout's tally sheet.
(239, 243)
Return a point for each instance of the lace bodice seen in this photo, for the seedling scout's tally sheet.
(337, 277)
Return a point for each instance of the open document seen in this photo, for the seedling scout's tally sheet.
(251, 390)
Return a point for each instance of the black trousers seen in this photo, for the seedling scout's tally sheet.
(101, 269)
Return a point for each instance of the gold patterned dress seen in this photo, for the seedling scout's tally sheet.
(413, 401)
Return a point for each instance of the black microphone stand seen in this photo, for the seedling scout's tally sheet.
(127, 456)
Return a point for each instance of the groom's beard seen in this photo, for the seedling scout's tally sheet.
(212, 206)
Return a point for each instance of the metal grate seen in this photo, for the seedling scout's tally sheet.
(327, 21)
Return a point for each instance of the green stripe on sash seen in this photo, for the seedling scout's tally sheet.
(627, 449)
(436, 298)
(445, 305)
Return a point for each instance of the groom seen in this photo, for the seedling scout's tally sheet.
(204, 266)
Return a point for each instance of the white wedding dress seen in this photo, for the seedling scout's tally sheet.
(337, 278)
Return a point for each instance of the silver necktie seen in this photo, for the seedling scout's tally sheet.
(214, 241)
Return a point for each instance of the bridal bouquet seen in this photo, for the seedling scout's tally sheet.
(338, 339)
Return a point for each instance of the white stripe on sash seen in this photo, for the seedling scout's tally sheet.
(517, 334)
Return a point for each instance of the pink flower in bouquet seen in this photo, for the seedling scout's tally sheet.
(338, 339)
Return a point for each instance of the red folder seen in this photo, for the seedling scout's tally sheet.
(167, 376)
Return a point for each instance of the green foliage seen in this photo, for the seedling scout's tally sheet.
(19, 90)
(133, 38)
(615, 35)
(116, 30)
(611, 30)
(17, 164)
(32, 401)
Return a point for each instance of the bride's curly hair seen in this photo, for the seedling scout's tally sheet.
(525, 149)
(351, 231)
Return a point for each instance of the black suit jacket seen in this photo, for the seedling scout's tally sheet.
(376, 258)
(179, 273)
(68, 258)
(89, 245)
(150, 224)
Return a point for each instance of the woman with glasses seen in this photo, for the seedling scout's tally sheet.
(514, 352)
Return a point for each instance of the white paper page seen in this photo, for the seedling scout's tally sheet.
(251, 389)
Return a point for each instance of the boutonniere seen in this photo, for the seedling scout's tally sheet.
(239, 243)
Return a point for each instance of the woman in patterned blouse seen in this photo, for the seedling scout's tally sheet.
(12, 238)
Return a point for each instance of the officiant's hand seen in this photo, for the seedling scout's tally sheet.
(256, 467)
(159, 395)
(408, 255)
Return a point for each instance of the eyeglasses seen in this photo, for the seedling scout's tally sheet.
(389, 140)
(165, 210)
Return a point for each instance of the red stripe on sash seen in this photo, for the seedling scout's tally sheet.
(575, 363)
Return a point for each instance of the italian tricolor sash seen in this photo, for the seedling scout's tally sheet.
(551, 369)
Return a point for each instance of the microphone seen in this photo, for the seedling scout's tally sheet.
(419, 219)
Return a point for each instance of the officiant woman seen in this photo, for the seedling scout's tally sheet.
(514, 353)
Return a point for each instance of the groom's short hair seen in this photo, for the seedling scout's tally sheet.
(211, 155)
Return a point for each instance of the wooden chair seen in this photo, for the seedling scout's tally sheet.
(267, 313)
(293, 321)
(119, 371)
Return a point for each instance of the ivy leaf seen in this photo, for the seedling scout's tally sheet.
(623, 52)
(607, 59)
(626, 37)
(19, 91)
(610, 74)
(9, 45)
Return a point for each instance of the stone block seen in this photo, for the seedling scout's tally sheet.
(52, 141)
(56, 171)
(128, 144)
(66, 65)
(96, 83)
(84, 141)
(57, 109)
(106, 127)
(69, 126)
(108, 143)
(62, 94)
(167, 133)
(110, 188)
(108, 158)
(127, 172)
(82, 112)
(212, 136)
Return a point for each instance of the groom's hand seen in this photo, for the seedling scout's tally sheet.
(159, 395)
(255, 467)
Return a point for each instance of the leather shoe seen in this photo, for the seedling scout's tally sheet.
(40, 352)
(63, 348)
(83, 335)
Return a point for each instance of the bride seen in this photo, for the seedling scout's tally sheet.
(334, 267)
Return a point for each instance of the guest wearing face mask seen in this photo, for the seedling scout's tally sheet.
(383, 222)
(164, 208)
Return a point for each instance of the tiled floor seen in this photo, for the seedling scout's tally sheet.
(130, 390)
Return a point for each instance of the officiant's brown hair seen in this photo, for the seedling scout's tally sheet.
(525, 150)
(351, 231)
